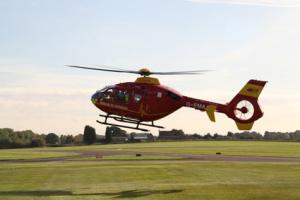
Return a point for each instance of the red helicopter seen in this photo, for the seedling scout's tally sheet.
(144, 101)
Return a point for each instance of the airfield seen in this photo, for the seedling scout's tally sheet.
(165, 170)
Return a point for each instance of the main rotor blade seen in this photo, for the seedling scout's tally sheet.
(112, 67)
(106, 70)
(181, 72)
(141, 72)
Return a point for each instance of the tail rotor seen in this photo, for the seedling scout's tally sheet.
(244, 110)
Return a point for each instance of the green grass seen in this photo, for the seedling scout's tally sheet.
(11, 154)
(252, 148)
(159, 180)
(153, 177)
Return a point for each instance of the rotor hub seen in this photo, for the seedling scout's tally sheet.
(144, 72)
(244, 109)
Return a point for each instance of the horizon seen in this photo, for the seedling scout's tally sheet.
(237, 39)
(130, 131)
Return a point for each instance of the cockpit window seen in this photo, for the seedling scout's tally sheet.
(122, 96)
(108, 93)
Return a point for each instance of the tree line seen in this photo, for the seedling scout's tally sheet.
(246, 135)
(24, 139)
(20, 139)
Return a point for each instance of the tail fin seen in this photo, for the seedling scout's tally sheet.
(244, 108)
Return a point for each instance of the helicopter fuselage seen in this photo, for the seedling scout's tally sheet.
(141, 101)
(147, 100)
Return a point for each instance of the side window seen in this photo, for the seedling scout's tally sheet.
(122, 96)
(159, 95)
(173, 96)
(137, 98)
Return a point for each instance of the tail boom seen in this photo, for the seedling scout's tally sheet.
(208, 106)
(243, 108)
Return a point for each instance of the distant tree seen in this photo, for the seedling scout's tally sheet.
(197, 136)
(67, 139)
(113, 131)
(15, 139)
(278, 136)
(108, 134)
(38, 142)
(89, 135)
(216, 136)
(52, 138)
(5, 139)
(178, 131)
(6, 131)
(207, 136)
(70, 139)
(78, 139)
(295, 135)
(26, 135)
(230, 134)
(246, 135)
(18, 143)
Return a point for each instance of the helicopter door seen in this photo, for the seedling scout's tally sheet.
(137, 100)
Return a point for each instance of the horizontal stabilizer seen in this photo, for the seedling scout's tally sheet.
(210, 111)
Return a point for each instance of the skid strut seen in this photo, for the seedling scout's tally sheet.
(128, 121)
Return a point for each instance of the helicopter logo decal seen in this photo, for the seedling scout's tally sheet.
(196, 105)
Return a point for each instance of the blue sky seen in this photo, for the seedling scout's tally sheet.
(238, 39)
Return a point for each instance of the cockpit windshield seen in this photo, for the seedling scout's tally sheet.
(113, 94)
(106, 88)
(108, 93)
(105, 93)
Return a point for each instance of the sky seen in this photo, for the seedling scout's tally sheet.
(237, 39)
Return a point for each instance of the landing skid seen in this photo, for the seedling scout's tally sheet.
(127, 120)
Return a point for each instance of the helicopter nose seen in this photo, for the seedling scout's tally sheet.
(94, 98)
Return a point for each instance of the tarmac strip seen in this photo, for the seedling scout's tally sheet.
(177, 157)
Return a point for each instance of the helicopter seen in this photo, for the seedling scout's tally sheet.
(145, 100)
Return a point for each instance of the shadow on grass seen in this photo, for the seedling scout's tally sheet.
(122, 194)
(139, 193)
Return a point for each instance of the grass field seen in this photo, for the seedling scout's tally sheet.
(11, 154)
(158, 177)
(254, 148)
